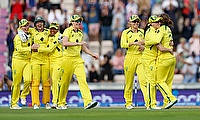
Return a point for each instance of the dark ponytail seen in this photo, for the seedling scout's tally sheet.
(166, 20)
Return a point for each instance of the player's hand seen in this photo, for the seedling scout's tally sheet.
(171, 43)
(141, 48)
(82, 43)
(35, 47)
(96, 57)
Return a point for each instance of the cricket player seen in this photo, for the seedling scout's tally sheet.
(55, 57)
(21, 65)
(40, 65)
(132, 62)
(74, 64)
(153, 38)
(166, 63)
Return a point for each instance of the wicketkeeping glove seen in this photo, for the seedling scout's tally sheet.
(60, 38)
(24, 37)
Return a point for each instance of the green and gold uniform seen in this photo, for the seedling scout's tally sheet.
(149, 56)
(132, 64)
(54, 48)
(165, 66)
(40, 68)
(21, 66)
(73, 64)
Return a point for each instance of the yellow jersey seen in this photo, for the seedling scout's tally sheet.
(165, 41)
(42, 39)
(152, 37)
(73, 36)
(22, 50)
(54, 48)
(129, 36)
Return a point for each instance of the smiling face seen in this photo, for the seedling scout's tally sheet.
(39, 25)
(25, 28)
(53, 31)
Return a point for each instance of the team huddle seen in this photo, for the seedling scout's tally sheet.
(150, 55)
(45, 55)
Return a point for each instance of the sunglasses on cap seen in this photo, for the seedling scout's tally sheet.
(156, 21)
(136, 21)
(78, 21)
(54, 23)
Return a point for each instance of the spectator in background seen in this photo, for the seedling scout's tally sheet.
(106, 21)
(117, 26)
(44, 13)
(184, 46)
(187, 29)
(197, 26)
(157, 8)
(187, 10)
(144, 16)
(189, 71)
(17, 8)
(93, 74)
(55, 3)
(78, 11)
(93, 21)
(117, 62)
(44, 4)
(64, 16)
(171, 8)
(119, 5)
(196, 8)
(54, 16)
(64, 25)
(5, 83)
(179, 61)
(29, 15)
(85, 13)
(106, 67)
(131, 8)
(11, 32)
(194, 42)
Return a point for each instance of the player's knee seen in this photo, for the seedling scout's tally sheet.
(35, 83)
(46, 83)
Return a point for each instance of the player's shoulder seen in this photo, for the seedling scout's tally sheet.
(127, 31)
(17, 36)
(141, 30)
(79, 30)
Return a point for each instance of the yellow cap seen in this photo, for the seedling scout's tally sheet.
(23, 22)
(54, 25)
(133, 18)
(75, 18)
(154, 18)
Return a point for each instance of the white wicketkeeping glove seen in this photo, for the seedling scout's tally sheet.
(60, 38)
(24, 37)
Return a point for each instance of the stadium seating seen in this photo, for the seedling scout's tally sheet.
(3, 36)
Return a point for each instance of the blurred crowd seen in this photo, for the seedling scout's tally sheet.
(106, 19)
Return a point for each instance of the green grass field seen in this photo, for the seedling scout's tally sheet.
(176, 113)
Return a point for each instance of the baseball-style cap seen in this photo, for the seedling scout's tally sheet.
(23, 22)
(133, 18)
(54, 25)
(154, 18)
(38, 18)
(75, 18)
